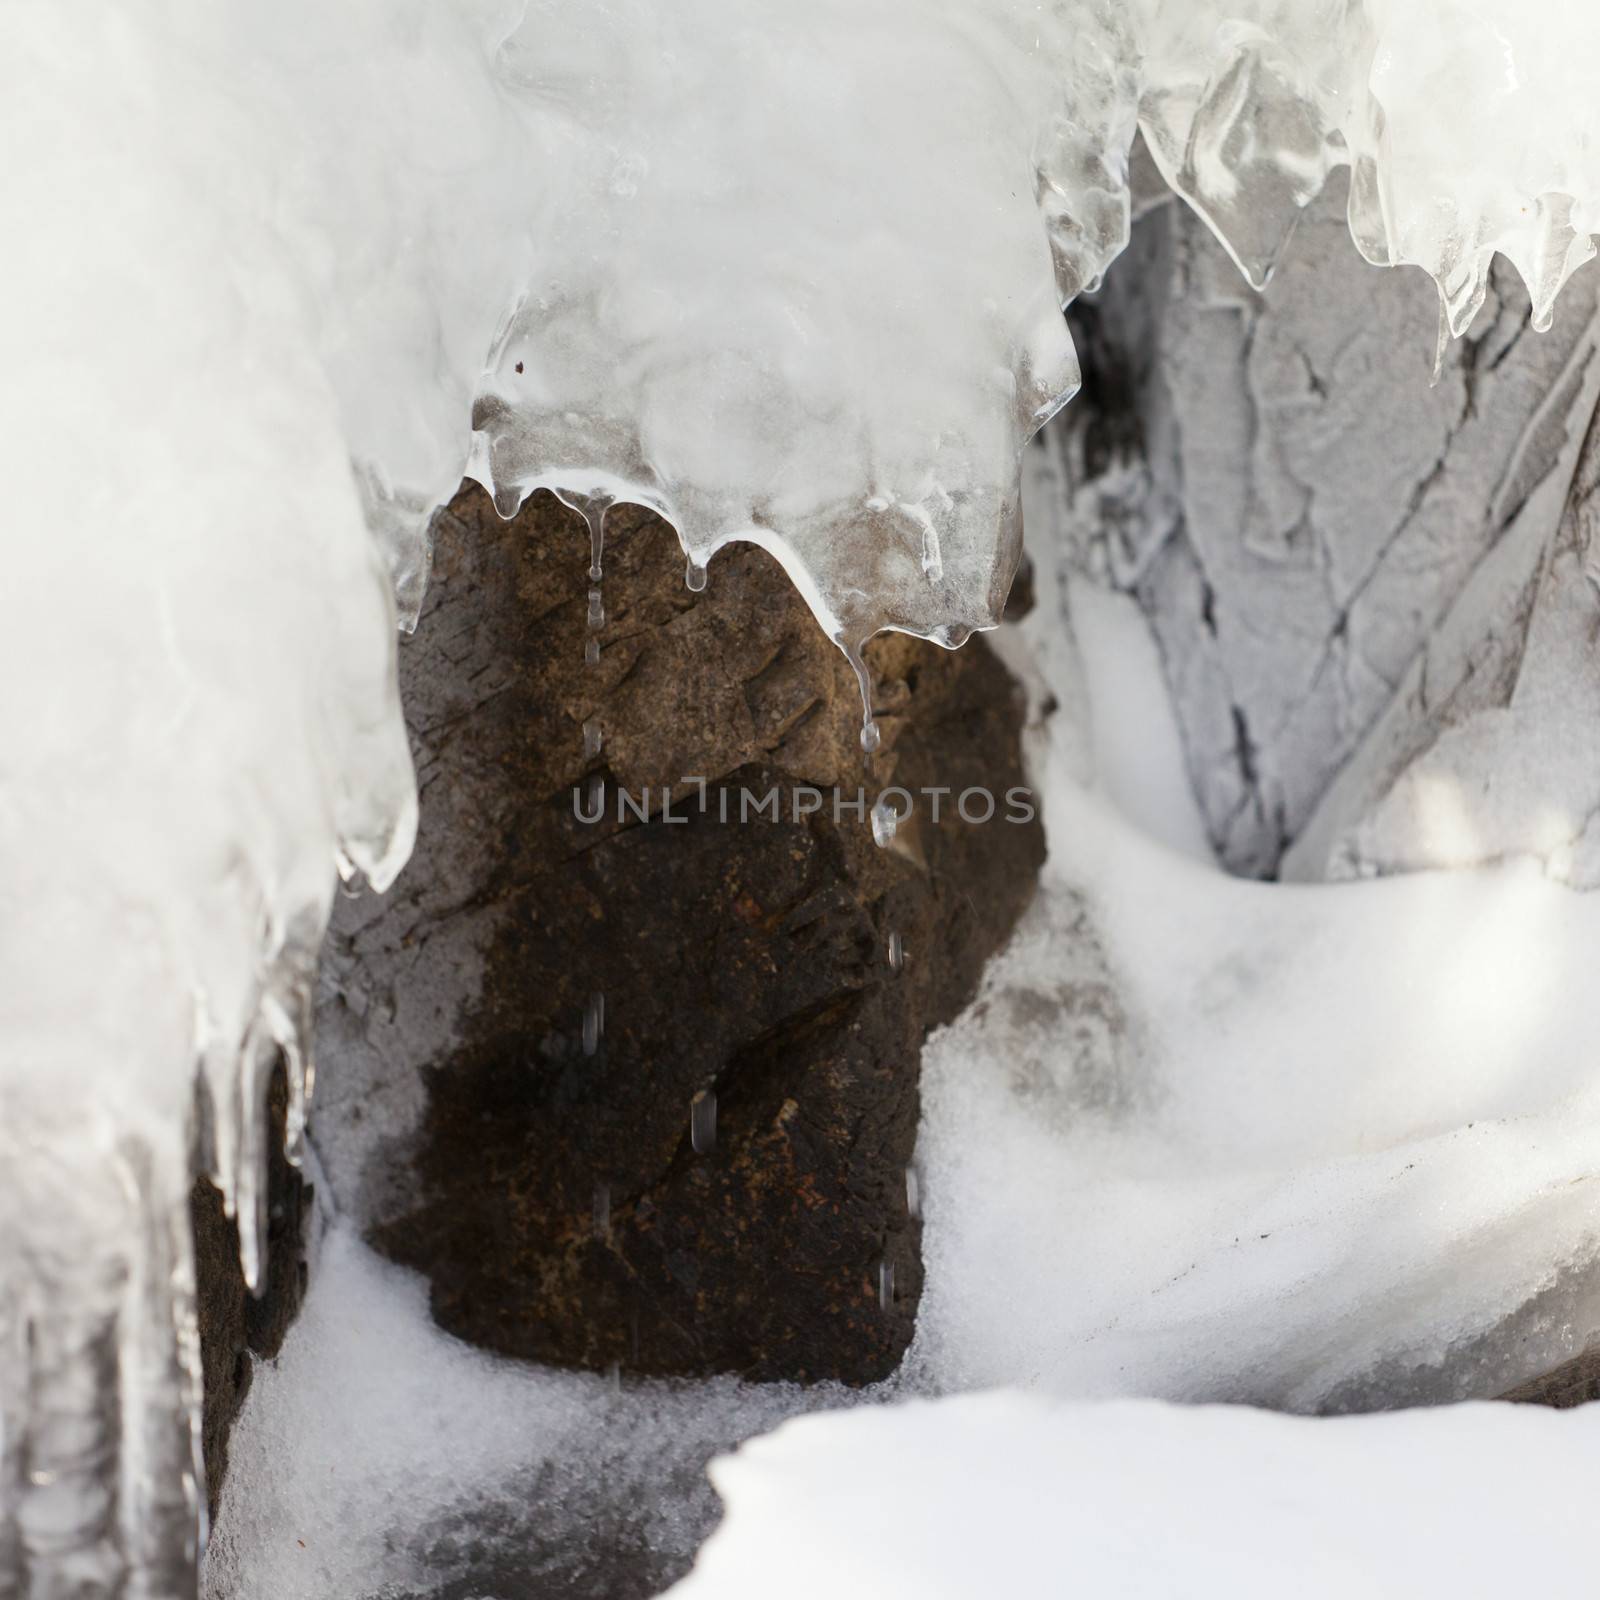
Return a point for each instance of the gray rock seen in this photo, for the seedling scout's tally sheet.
(1306, 521)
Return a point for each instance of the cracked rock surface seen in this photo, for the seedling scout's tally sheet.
(555, 1198)
(1339, 562)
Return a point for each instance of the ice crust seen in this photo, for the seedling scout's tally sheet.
(789, 274)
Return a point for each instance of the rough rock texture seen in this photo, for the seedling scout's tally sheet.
(1573, 1383)
(234, 1325)
(554, 1198)
(1300, 514)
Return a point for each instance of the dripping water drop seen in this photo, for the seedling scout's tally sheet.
(592, 739)
(597, 610)
(913, 1194)
(591, 653)
(507, 502)
(594, 1023)
(897, 951)
(694, 575)
(870, 737)
(703, 1123)
(886, 1285)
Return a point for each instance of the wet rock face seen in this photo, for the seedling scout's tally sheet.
(234, 1325)
(740, 939)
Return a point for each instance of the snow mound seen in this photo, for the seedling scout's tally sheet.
(1003, 1494)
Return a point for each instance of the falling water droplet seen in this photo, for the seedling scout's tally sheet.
(870, 737)
(897, 951)
(694, 575)
(591, 653)
(703, 1123)
(602, 1210)
(885, 823)
(594, 1023)
(591, 739)
(597, 609)
(913, 1194)
(886, 1285)
(614, 1377)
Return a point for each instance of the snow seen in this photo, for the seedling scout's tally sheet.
(1011, 1495)
(1203, 1138)
(378, 1455)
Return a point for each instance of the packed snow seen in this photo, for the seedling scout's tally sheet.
(1008, 1494)
(275, 275)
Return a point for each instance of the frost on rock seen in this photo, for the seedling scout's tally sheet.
(788, 273)
(1301, 516)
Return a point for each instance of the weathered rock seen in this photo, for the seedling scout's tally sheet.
(1307, 523)
(235, 1325)
(554, 1198)
(1573, 1383)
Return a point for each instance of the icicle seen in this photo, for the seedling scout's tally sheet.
(256, 1060)
(99, 1373)
(694, 576)
(594, 513)
(870, 738)
(703, 1123)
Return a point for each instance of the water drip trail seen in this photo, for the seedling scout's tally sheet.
(703, 1123)
(594, 1023)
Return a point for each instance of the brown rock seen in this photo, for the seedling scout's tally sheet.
(1573, 1383)
(554, 1198)
(234, 1325)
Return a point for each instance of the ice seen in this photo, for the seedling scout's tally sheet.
(1010, 1495)
(225, 317)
